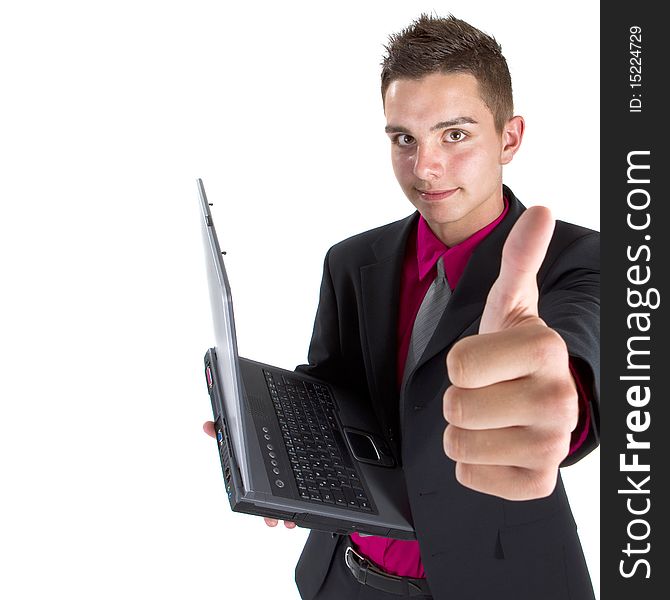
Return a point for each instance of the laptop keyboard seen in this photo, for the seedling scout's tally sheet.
(322, 465)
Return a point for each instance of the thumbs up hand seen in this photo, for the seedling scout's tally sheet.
(513, 403)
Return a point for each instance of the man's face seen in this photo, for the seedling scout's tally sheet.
(446, 152)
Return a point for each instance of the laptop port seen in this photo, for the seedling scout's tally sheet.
(219, 436)
(210, 380)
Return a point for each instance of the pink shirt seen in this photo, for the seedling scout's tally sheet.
(401, 557)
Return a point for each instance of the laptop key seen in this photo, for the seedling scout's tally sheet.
(360, 494)
(339, 498)
(349, 496)
(327, 497)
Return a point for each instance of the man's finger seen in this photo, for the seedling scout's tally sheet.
(275, 522)
(208, 428)
(514, 294)
(526, 447)
(528, 401)
(482, 360)
(511, 483)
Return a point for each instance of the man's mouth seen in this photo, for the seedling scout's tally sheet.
(434, 195)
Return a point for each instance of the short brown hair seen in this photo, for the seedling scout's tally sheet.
(447, 45)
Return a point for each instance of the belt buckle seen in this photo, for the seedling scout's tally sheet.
(362, 566)
(350, 550)
(365, 566)
(361, 563)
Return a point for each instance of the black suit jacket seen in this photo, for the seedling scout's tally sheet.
(473, 545)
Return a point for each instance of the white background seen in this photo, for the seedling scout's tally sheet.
(108, 113)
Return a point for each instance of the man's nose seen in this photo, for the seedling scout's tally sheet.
(428, 162)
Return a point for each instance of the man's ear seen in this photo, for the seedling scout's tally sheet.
(512, 135)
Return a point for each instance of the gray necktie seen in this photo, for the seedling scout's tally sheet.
(430, 311)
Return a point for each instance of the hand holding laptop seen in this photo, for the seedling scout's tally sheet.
(208, 428)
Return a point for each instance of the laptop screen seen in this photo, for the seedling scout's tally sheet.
(224, 330)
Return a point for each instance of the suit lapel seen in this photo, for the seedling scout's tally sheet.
(380, 287)
(467, 302)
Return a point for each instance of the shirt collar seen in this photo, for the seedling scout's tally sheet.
(429, 248)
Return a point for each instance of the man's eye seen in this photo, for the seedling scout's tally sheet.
(404, 140)
(455, 136)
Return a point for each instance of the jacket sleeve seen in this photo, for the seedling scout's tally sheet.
(570, 304)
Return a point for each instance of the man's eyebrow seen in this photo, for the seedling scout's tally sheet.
(440, 125)
(453, 122)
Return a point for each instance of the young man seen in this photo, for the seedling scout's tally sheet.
(472, 327)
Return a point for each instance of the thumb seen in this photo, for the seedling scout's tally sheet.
(513, 297)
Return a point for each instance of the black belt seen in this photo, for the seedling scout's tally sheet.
(367, 573)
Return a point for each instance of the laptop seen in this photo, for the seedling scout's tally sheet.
(293, 447)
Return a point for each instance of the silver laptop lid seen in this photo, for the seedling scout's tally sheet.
(228, 368)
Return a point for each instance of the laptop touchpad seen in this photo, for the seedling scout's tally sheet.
(363, 446)
(366, 449)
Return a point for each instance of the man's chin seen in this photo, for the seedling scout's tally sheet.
(439, 213)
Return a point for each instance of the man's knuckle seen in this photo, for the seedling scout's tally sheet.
(556, 344)
(567, 405)
(549, 347)
(552, 449)
(539, 484)
(559, 404)
(546, 484)
(557, 392)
